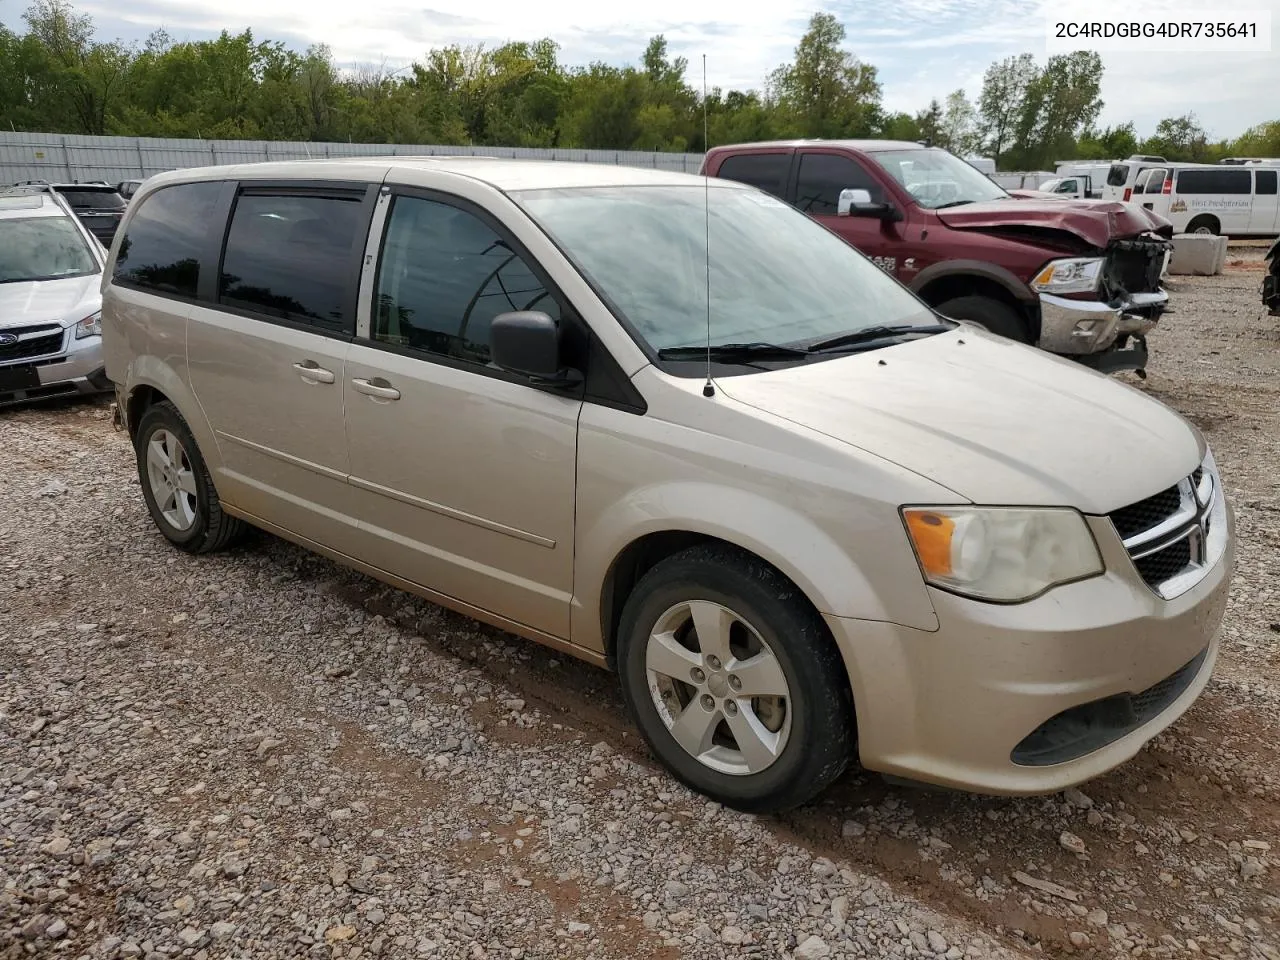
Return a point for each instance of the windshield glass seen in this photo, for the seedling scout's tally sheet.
(776, 275)
(937, 179)
(93, 199)
(42, 248)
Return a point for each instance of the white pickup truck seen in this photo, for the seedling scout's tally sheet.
(1078, 186)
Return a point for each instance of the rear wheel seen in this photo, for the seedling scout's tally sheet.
(1204, 225)
(988, 313)
(176, 484)
(734, 680)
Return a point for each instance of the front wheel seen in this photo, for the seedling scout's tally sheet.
(1204, 225)
(176, 484)
(988, 313)
(734, 680)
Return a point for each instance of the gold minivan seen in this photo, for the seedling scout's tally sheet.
(676, 428)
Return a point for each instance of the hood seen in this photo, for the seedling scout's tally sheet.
(41, 301)
(1097, 222)
(1024, 194)
(994, 421)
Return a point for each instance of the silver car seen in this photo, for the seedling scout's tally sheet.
(50, 300)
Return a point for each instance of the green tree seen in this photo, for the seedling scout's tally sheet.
(929, 122)
(1180, 139)
(899, 126)
(1000, 106)
(826, 91)
(1260, 141)
(1060, 102)
(1113, 143)
(959, 132)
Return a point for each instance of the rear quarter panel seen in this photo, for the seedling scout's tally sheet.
(144, 343)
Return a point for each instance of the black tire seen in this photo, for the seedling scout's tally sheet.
(1204, 224)
(211, 528)
(819, 703)
(988, 313)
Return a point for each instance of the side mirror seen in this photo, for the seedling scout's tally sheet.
(855, 202)
(527, 343)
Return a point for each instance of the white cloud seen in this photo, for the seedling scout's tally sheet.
(923, 48)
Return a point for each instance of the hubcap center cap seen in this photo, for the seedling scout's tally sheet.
(718, 684)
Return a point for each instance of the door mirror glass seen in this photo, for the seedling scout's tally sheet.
(858, 203)
(527, 343)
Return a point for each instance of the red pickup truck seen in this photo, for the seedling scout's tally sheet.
(1076, 277)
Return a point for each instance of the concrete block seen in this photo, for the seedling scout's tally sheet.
(1198, 254)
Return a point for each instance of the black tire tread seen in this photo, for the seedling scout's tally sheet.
(1206, 219)
(221, 530)
(1000, 318)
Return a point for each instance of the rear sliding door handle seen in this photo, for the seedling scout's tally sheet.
(312, 372)
(377, 388)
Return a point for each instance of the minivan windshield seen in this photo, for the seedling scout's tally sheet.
(43, 248)
(776, 276)
(937, 179)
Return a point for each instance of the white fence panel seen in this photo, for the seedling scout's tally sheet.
(61, 157)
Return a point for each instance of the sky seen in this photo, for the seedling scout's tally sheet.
(922, 48)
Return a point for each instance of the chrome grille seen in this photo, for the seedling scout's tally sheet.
(40, 341)
(1167, 535)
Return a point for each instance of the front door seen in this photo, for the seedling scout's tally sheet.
(1148, 191)
(820, 176)
(267, 362)
(463, 476)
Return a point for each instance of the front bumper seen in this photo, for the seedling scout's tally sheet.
(1081, 328)
(986, 702)
(78, 369)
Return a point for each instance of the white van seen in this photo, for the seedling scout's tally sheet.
(985, 164)
(1238, 201)
(1123, 175)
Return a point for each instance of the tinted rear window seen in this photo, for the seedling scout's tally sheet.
(92, 199)
(1118, 175)
(166, 237)
(1215, 181)
(292, 257)
(768, 171)
(1266, 182)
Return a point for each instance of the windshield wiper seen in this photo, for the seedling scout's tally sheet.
(869, 334)
(953, 203)
(729, 352)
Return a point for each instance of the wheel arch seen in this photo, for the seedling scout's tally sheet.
(945, 281)
(793, 545)
(150, 381)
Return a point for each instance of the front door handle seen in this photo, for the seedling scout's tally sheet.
(377, 388)
(312, 372)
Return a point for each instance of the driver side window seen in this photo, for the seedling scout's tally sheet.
(445, 274)
(821, 178)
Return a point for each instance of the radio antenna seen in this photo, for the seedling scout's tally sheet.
(708, 389)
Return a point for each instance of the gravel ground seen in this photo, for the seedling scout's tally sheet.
(260, 754)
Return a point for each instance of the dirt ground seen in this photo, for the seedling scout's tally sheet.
(261, 754)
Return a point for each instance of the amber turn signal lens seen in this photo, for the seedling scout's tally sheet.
(932, 533)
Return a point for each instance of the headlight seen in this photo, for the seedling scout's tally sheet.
(1076, 275)
(1001, 554)
(90, 326)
